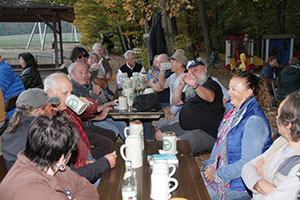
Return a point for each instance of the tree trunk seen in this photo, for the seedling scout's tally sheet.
(122, 39)
(207, 39)
(165, 21)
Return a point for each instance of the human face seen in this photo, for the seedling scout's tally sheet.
(62, 90)
(80, 74)
(22, 62)
(99, 51)
(273, 63)
(282, 129)
(175, 65)
(238, 91)
(131, 59)
(92, 59)
(83, 58)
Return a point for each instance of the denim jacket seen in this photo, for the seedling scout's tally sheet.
(253, 137)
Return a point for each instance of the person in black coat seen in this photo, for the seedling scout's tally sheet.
(30, 76)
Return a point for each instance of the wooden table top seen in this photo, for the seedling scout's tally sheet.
(190, 186)
(132, 115)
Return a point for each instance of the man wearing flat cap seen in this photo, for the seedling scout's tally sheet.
(202, 109)
(178, 62)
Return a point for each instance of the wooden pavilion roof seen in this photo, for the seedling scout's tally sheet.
(29, 11)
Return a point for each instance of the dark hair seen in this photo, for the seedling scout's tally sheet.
(271, 58)
(49, 138)
(77, 52)
(29, 59)
(258, 86)
(290, 113)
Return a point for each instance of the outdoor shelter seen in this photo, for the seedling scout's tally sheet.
(28, 11)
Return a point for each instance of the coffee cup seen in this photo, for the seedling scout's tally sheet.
(169, 142)
(135, 128)
(162, 167)
(160, 188)
(76, 104)
(126, 83)
(122, 103)
(133, 148)
(148, 91)
(128, 92)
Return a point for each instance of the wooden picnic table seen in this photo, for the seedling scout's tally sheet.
(191, 185)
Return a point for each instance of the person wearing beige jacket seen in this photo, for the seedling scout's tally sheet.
(276, 173)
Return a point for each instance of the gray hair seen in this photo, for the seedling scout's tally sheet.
(126, 54)
(96, 45)
(73, 66)
(94, 54)
(50, 81)
(180, 51)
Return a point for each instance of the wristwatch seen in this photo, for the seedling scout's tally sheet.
(194, 88)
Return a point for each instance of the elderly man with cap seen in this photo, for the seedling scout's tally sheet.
(30, 104)
(178, 62)
(202, 108)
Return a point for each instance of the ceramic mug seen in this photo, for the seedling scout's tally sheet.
(133, 148)
(169, 142)
(135, 128)
(163, 167)
(160, 188)
(122, 103)
(76, 104)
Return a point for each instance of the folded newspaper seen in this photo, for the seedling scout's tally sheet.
(171, 158)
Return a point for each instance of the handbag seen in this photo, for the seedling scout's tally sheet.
(146, 102)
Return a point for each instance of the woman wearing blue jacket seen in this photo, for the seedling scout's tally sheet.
(243, 134)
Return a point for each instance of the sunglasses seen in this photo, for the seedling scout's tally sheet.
(84, 55)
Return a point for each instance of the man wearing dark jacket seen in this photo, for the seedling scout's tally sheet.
(289, 78)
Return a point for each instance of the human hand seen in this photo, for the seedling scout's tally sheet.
(264, 187)
(111, 157)
(86, 101)
(190, 79)
(171, 117)
(259, 166)
(95, 67)
(209, 174)
(89, 162)
(97, 89)
(111, 103)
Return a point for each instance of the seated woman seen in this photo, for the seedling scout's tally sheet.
(40, 171)
(30, 76)
(243, 134)
(276, 173)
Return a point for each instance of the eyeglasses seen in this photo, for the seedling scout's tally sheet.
(84, 55)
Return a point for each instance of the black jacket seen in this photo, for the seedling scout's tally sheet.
(31, 77)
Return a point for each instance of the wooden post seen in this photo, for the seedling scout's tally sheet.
(61, 42)
(55, 40)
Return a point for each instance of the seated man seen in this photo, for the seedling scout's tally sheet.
(58, 84)
(271, 71)
(178, 63)
(275, 174)
(80, 78)
(129, 67)
(289, 78)
(202, 109)
(163, 94)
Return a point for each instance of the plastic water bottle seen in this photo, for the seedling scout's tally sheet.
(129, 191)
